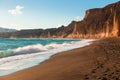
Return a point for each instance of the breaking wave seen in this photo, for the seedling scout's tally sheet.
(28, 56)
(32, 49)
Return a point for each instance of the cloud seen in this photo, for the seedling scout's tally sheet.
(58, 25)
(16, 11)
(78, 18)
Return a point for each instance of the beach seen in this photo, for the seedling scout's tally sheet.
(22, 55)
(60, 40)
(98, 61)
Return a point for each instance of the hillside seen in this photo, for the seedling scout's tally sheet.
(7, 30)
(97, 23)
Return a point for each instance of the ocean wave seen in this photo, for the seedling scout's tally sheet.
(38, 48)
(28, 56)
(30, 49)
(6, 53)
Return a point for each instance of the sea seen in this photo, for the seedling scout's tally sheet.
(20, 53)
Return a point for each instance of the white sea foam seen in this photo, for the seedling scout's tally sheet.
(30, 49)
(28, 56)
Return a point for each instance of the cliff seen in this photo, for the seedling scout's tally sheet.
(97, 23)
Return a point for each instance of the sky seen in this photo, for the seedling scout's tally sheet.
(36, 14)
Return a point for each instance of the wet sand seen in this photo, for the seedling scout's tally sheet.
(98, 61)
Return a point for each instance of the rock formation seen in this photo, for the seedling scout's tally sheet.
(97, 23)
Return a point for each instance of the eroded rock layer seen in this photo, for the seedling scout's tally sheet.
(97, 23)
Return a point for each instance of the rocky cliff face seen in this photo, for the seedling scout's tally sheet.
(97, 23)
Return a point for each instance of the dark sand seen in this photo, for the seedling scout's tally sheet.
(98, 61)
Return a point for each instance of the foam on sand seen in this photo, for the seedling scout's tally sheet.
(28, 56)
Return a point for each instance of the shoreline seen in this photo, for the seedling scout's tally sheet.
(90, 62)
(82, 43)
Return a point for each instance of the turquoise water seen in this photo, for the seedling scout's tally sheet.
(19, 54)
(8, 45)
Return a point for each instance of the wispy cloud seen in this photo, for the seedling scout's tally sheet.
(17, 10)
(58, 25)
(78, 18)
